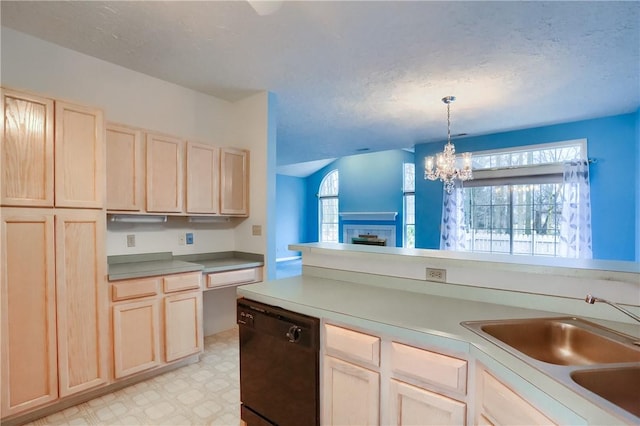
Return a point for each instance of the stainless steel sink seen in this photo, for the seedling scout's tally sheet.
(599, 363)
(561, 341)
(621, 386)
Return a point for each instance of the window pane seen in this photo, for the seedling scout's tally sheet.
(410, 236)
(409, 220)
(500, 217)
(409, 181)
(410, 209)
(329, 185)
(542, 154)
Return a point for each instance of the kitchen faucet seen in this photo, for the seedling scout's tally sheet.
(592, 299)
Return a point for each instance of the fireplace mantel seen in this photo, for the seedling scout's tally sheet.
(391, 216)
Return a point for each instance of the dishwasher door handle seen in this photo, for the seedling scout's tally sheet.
(294, 334)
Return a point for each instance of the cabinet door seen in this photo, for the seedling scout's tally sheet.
(183, 325)
(125, 174)
(136, 337)
(500, 405)
(28, 328)
(81, 299)
(234, 182)
(411, 405)
(79, 156)
(164, 174)
(350, 394)
(203, 187)
(26, 152)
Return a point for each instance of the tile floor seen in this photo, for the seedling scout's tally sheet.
(205, 393)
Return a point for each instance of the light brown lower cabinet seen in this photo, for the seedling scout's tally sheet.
(413, 405)
(54, 305)
(136, 336)
(378, 381)
(351, 394)
(498, 404)
(156, 320)
(183, 324)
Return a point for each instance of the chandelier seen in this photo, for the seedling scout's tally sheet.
(445, 162)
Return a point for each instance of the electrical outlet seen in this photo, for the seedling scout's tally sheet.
(181, 239)
(131, 240)
(189, 238)
(439, 275)
(256, 230)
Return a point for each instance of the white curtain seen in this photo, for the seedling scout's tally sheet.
(575, 223)
(452, 235)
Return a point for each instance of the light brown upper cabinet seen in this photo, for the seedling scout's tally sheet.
(174, 176)
(234, 182)
(164, 173)
(203, 185)
(46, 164)
(79, 156)
(125, 170)
(27, 150)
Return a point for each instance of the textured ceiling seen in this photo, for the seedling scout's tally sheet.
(355, 75)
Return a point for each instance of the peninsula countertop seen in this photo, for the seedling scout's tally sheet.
(429, 319)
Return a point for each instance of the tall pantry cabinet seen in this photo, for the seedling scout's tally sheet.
(53, 277)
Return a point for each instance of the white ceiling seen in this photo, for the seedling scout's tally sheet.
(356, 75)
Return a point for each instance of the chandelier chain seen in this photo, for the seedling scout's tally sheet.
(448, 122)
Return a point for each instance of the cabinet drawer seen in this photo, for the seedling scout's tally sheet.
(130, 289)
(240, 276)
(441, 370)
(352, 345)
(502, 406)
(181, 282)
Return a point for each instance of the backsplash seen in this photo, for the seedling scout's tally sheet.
(171, 236)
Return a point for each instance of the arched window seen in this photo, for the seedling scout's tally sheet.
(328, 208)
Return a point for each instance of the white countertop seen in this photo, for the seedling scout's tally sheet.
(432, 320)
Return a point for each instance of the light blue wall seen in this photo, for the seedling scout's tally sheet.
(637, 183)
(292, 212)
(368, 183)
(612, 141)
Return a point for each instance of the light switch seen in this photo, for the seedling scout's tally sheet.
(256, 230)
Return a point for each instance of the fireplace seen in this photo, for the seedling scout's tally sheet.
(380, 235)
(368, 240)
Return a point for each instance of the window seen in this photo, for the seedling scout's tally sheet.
(409, 206)
(328, 207)
(514, 204)
(514, 219)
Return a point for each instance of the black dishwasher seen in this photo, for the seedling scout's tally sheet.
(279, 366)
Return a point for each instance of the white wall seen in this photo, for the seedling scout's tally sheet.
(251, 130)
(126, 96)
(136, 99)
